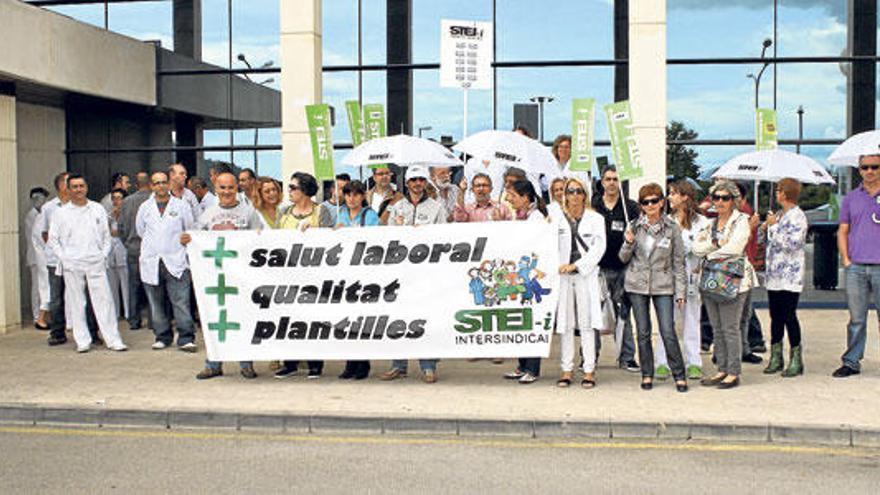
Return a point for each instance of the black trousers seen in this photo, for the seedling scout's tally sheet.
(783, 315)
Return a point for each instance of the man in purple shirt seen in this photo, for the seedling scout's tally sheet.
(857, 239)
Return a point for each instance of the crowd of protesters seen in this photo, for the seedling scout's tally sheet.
(93, 263)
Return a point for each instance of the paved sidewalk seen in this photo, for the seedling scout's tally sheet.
(36, 376)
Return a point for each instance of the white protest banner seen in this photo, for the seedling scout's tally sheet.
(436, 291)
(465, 54)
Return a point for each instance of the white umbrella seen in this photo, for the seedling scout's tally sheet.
(773, 165)
(402, 150)
(511, 149)
(848, 153)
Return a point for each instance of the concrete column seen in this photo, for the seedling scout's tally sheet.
(10, 294)
(301, 81)
(647, 87)
(399, 89)
(187, 16)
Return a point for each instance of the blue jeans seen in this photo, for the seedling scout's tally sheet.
(178, 291)
(642, 313)
(622, 304)
(862, 281)
(217, 365)
(136, 290)
(424, 364)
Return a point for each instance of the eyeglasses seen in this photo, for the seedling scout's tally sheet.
(156, 183)
(572, 190)
(869, 167)
(650, 201)
(293, 187)
(721, 197)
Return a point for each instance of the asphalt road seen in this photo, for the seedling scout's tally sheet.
(46, 460)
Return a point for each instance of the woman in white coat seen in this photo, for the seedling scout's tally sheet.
(581, 246)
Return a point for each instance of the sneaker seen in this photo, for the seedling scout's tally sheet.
(53, 341)
(694, 372)
(527, 378)
(285, 372)
(662, 372)
(82, 349)
(844, 371)
(158, 345)
(313, 375)
(752, 358)
(430, 376)
(188, 347)
(248, 373)
(209, 373)
(120, 347)
(514, 375)
(392, 374)
(631, 366)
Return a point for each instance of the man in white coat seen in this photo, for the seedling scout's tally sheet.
(79, 235)
(35, 260)
(177, 186)
(163, 264)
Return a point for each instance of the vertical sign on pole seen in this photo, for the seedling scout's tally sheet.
(355, 122)
(583, 122)
(465, 58)
(374, 121)
(623, 140)
(321, 133)
(766, 137)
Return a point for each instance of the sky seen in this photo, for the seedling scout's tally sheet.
(715, 100)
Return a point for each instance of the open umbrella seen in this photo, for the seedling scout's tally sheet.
(511, 149)
(773, 165)
(402, 150)
(848, 153)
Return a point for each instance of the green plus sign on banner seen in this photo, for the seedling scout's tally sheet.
(222, 326)
(220, 252)
(221, 289)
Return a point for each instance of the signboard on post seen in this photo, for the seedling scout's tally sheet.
(583, 123)
(465, 54)
(355, 122)
(321, 133)
(623, 141)
(374, 121)
(766, 136)
(374, 293)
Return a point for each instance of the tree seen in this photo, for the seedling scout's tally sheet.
(681, 160)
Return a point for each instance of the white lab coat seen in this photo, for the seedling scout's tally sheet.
(35, 259)
(160, 238)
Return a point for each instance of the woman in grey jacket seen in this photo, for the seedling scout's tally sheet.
(656, 273)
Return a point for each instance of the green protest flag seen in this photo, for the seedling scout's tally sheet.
(374, 121)
(583, 123)
(765, 129)
(623, 140)
(355, 122)
(321, 134)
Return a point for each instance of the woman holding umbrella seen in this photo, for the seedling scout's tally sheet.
(786, 237)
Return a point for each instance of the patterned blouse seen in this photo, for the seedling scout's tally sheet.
(785, 252)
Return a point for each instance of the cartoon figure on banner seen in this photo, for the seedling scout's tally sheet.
(495, 281)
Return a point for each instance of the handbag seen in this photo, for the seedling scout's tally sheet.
(721, 280)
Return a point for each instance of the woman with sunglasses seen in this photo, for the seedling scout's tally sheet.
(302, 214)
(581, 246)
(526, 205)
(725, 238)
(655, 273)
(356, 212)
(684, 210)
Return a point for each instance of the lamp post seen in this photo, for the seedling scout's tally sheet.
(426, 128)
(800, 114)
(270, 80)
(757, 79)
(540, 100)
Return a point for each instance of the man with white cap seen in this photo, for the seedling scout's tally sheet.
(416, 208)
(79, 234)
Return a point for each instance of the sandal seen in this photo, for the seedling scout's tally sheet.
(564, 381)
(588, 382)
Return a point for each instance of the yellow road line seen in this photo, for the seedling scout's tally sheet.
(459, 441)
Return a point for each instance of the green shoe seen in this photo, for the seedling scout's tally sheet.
(777, 363)
(662, 372)
(795, 363)
(694, 372)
